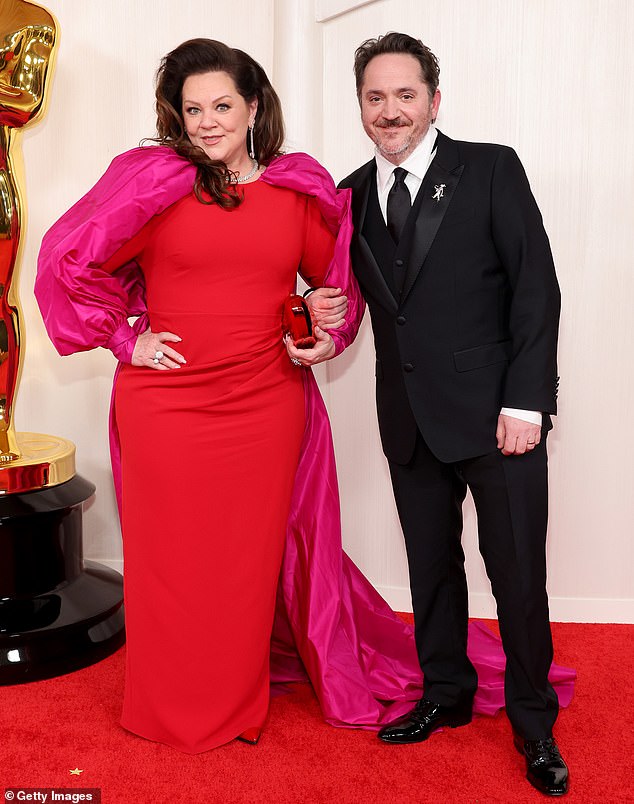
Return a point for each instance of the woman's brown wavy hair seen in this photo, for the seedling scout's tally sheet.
(197, 56)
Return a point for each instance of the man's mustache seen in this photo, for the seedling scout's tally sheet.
(394, 123)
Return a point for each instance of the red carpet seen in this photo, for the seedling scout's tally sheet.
(50, 727)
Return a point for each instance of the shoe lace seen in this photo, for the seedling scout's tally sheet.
(542, 751)
(423, 710)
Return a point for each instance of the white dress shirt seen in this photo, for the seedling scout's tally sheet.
(416, 166)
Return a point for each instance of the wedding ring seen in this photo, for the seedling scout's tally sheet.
(295, 361)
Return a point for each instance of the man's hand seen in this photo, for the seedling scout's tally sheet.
(328, 307)
(324, 349)
(515, 437)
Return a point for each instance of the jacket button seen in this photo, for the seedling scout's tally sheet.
(401, 320)
(398, 262)
(408, 367)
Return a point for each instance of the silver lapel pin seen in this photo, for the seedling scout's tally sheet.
(440, 191)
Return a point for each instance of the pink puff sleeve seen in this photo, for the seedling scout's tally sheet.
(83, 305)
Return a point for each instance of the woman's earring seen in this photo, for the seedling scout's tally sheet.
(251, 147)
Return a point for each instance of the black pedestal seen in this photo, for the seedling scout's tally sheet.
(57, 612)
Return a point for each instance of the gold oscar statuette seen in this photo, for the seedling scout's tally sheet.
(58, 612)
(28, 41)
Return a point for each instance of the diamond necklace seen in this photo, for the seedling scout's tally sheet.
(241, 179)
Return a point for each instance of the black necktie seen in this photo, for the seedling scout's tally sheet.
(399, 203)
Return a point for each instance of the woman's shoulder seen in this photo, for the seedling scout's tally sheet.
(296, 160)
(298, 168)
(146, 170)
(299, 172)
(304, 174)
(150, 178)
(147, 157)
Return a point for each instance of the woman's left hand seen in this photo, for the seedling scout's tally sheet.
(324, 349)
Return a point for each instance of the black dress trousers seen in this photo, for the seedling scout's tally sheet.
(511, 500)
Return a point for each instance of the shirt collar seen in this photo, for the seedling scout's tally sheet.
(416, 163)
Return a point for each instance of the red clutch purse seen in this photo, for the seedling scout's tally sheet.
(297, 323)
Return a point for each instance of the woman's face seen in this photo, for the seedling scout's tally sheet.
(217, 117)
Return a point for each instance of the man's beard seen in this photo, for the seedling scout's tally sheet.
(396, 149)
(408, 144)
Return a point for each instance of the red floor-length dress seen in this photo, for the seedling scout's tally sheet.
(209, 453)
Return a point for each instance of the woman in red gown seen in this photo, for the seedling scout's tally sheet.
(210, 415)
(209, 452)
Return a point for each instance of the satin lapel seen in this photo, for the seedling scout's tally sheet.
(437, 188)
(368, 271)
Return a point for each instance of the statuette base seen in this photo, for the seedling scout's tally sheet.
(44, 461)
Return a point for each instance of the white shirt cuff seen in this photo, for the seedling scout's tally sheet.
(531, 416)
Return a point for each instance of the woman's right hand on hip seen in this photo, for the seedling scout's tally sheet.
(153, 351)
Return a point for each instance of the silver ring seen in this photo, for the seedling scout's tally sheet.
(158, 356)
(295, 361)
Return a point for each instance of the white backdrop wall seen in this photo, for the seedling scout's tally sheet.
(552, 78)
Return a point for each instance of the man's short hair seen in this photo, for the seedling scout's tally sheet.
(397, 43)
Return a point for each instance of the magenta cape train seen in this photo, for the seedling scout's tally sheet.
(331, 625)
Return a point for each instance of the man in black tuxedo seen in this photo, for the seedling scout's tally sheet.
(456, 268)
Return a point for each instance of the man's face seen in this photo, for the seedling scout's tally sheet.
(396, 107)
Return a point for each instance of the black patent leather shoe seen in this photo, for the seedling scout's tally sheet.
(424, 719)
(545, 768)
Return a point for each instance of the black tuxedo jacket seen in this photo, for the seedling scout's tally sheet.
(475, 326)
